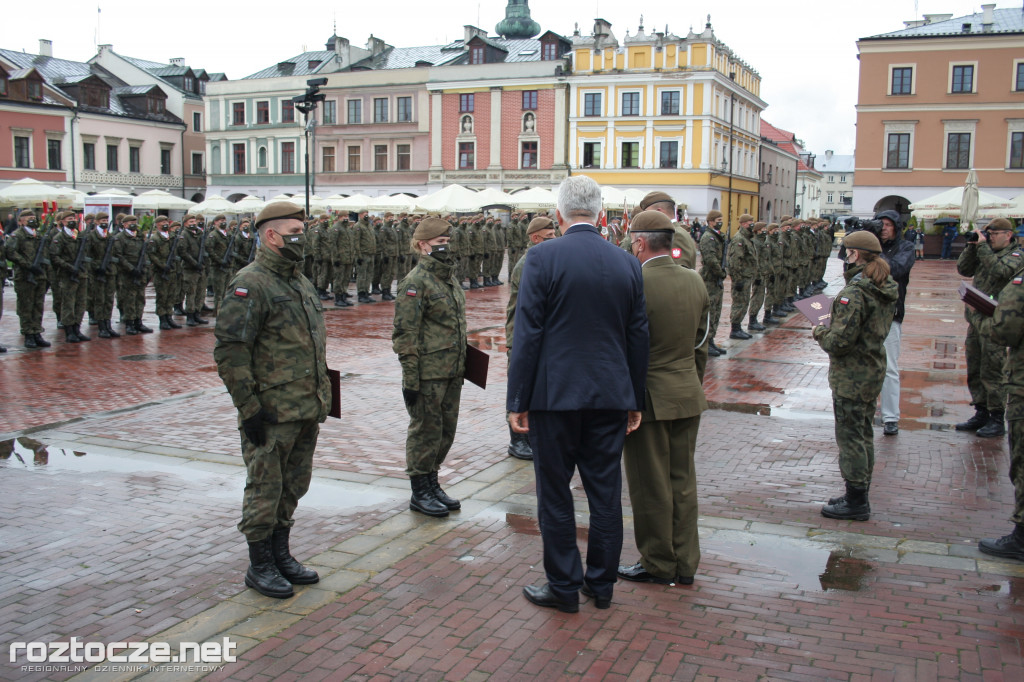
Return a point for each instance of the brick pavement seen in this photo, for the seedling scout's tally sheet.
(906, 594)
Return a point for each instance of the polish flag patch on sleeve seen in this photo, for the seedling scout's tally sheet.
(1018, 280)
(410, 292)
(844, 300)
(241, 292)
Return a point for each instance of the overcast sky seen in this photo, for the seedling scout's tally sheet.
(804, 51)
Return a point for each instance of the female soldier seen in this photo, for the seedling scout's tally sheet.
(430, 340)
(861, 316)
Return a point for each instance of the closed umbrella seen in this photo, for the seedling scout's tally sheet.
(969, 203)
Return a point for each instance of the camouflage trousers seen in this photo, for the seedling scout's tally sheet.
(167, 293)
(194, 290)
(131, 297)
(494, 263)
(1016, 438)
(73, 296)
(387, 273)
(662, 478)
(715, 296)
(29, 304)
(740, 301)
(101, 298)
(324, 271)
(277, 476)
(364, 273)
(985, 361)
(855, 439)
(220, 278)
(342, 276)
(378, 270)
(757, 297)
(433, 420)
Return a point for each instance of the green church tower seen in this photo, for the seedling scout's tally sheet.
(517, 22)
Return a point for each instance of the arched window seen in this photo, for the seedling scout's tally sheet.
(261, 157)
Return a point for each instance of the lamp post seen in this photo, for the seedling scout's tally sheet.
(732, 118)
(306, 103)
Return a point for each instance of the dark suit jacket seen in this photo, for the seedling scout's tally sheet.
(677, 313)
(581, 330)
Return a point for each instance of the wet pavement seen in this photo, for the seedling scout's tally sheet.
(121, 476)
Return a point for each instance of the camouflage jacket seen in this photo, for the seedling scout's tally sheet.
(430, 324)
(64, 251)
(21, 250)
(711, 246)
(217, 248)
(765, 267)
(861, 316)
(190, 247)
(271, 342)
(243, 247)
(127, 249)
(1008, 329)
(743, 256)
(990, 269)
(96, 248)
(366, 241)
(343, 240)
(159, 251)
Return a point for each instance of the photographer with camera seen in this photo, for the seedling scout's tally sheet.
(991, 257)
(899, 254)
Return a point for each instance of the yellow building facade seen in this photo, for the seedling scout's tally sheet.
(662, 112)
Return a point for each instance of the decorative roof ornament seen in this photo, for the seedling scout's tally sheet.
(517, 22)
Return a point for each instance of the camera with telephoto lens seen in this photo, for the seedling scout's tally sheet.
(872, 226)
(972, 236)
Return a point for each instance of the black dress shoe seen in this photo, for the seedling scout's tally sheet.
(543, 596)
(890, 428)
(599, 602)
(638, 574)
(684, 580)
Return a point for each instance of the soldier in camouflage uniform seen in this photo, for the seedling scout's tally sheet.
(132, 250)
(342, 255)
(430, 340)
(244, 248)
(192, 250)
(3, 276)
(64, 250)
(391, 248)
(992, 260)
(475, 238)
(164, 266)
(764, 270)
(218, 258)
(460, 235)
(103, 285)
(743, 267)
(29, 281)
(778, 267)
(712, 245)
(861, 316)
(271, 355)
(1008, 329)
(365, 254)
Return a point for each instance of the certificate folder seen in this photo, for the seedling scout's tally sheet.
(977, 299)
(476, 366)
(817, 309)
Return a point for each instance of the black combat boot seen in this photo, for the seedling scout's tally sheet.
(69, 334)
(519, 445)
(129, 328)
(497, 282)
(979, 419)
(755, 326)
(423, 498)
(465, 287)
(720, 351)
(30, 341)
(93, 321)
(363, 298)
(165, 322)
(771, 320)
(143, 329)
(178, 310)
(190, 320)
(110, 330)
(995, 427)
(198, 319)
(375, 289)
(80, 335)
(738, 333)
(41, 342)
(263, 574)
(387, 296)
(851, 507)
(103, 333)
(474, 284)
(441, 495)
(1009, 546)
(339, 302)
(292, 570)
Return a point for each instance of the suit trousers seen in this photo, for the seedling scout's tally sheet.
(591, 441)
(891, 385)
(658, 459)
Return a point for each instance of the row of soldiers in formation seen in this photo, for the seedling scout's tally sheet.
(89, 266)
(376, 251)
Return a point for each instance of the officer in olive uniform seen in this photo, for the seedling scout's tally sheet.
(684, 249)
(131, 249)
(743, 268)
(271, 355)
(1008, 328)
(23, 246)
(861, 316)
(103, 286)
(991, 259)
(658, 455)
(712, 270)
(65, 250)
(366, 253)
(430, 340)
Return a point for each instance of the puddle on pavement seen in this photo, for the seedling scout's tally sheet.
(527, 525)
(1013, 587)
(813, 566)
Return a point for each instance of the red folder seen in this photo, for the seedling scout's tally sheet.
(476, 366)
(817, 309)
(977, 299)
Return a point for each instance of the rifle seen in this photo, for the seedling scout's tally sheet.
(252, 251)
(170, 256)
(725, 252)
(142, 259)
(101, 271)
(229, 252)
(38, 261)
(202, 250)
(76, 267)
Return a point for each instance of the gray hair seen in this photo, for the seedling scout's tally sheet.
(656, 241)
(579, 197)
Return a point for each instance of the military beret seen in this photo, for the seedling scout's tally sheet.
(27, 214)
(772, 226)
(651, 221)
(759, 224)
(160, 219)
(89, 217)
(219, 217)
(102, 216)
(175, 224)
(129, 218)
(277, 210)
(655, 198)
(430, 228)
(540, 223)
(786, 217)
(862, 240)
(1000, 224)
(714, 215)
(746, 218)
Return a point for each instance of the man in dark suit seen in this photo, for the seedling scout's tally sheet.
(576, 384)
(658, 456)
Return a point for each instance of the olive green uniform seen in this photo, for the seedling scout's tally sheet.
(271, 355)
(165, 278)
(1008, 329)
(861, 316)
(342, 237)
(133, 275)
(243, 247)
(367, 249)
(73, 287)
(221, 261)
(429, 338)
(764, 270)
(103, 283)
(29, 285)
(743, 265)
(192, 250)
(712, 245)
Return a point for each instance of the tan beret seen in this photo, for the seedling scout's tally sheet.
(430, 228)
(862, 240)
(219, 217)
(651, 221)
(160, 219)
(746, 218)
(540, 223)
(27, 214)
(772, 226)
(714, 215)
(1000, 224)
(655, 198)
(277, 210)
(129, 218)
(786, 217)
(760, 224)
(102, 216)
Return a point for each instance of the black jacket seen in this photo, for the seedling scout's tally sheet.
(899, 254)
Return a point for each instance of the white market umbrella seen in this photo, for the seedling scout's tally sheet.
(401, 203)
(114, 191)
(445, 200)
(612, 197)
(485, 197)
(1014, 210)
(316, 204)
(215, 204)
(534, 199)
(634, 196)
(952, 200)
(250, 204)
(157, 199)
(77, 197)
(356, 202)
(28, 192)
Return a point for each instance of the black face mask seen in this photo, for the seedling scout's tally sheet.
(441, 253)
(32, 223)
(71, 224)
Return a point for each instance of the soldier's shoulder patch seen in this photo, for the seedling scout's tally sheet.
(677, 253)
(1018, 280)
(241, 292)
(844, 300)
(410, 292)
(1015, 254)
